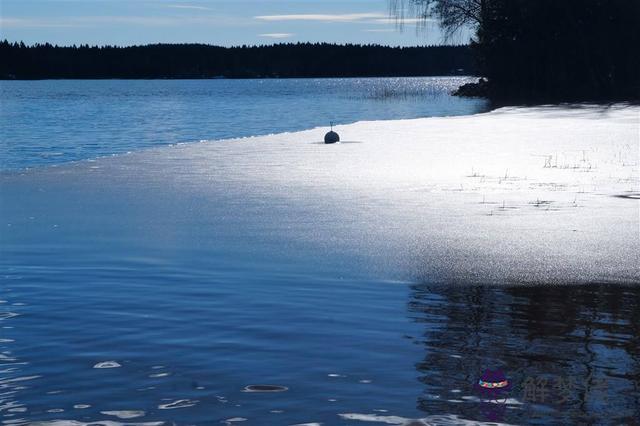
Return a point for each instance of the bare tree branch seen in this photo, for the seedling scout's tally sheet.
(452, 15)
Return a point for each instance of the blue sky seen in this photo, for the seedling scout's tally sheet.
(222, 22)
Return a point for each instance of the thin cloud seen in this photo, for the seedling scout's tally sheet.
(277, 35)
(187, 6)
(91, 21)
(346, 17)
(405, 21)
(34, 23)
(380, 30)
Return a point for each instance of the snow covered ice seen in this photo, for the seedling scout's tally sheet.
(527, 195)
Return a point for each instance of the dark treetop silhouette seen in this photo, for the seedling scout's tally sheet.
(545, 49)
(41, 61)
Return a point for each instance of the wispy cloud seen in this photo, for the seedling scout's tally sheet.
(345, 17)
(187, 6)
(379, 30)
(405, 21)
(91, 21)
(37, 23)
(375, 18)
(277, 35)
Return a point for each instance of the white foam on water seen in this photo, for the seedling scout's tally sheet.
(181, 403)
(436, 420)
(124, 414)
(107, 364)
(95, 423)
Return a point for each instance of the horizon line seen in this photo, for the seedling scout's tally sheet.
(235, 46)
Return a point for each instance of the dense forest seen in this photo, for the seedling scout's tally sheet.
(546, 49)
(42, 61)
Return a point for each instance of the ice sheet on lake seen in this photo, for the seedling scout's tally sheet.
(546, 194)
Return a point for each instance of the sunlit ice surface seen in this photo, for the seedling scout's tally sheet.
(516, 195)
(156, 286)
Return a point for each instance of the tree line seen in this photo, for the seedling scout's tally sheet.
(546, 49)
(44, 61)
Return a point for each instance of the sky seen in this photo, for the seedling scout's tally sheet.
(220, 22)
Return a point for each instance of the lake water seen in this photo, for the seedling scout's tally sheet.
(51, 122)
(162, 297)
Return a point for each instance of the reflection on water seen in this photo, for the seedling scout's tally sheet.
(11, 381)
(345, 353)
(571, 353)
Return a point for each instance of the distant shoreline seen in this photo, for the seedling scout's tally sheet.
(196, 61)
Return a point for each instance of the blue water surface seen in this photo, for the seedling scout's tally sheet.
(157, 298)
(56, 121)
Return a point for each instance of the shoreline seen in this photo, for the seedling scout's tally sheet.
(154, 113)
(320, 129)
